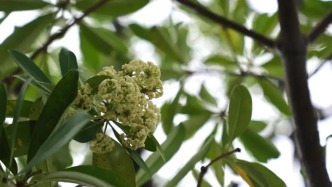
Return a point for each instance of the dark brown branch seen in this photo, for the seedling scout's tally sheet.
(228, 23)
(293, 48)
(205, 168)
(63, 31)
(320, 27)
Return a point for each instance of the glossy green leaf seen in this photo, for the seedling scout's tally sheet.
(261, 148)
(67, 61)
(62, 135)
(61, 97)
(191, 163)
(17, 5)
(315, 9)
(274, 95)
(88, 132)
(117, 161)
(206, 96)
(239, 113)
(155, 161)
(22, 40)
(28, 66)
(89, 176)
(256, 175)
(113, 8)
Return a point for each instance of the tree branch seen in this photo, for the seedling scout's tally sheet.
(228, 23)
(320, 27)
(63, 31)
(321, 65)
(293, 48)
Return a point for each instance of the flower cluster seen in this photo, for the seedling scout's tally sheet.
(125, 97)
(102, 144)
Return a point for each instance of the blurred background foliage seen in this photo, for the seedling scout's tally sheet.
(200, 61)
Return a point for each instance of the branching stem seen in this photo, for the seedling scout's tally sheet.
(228, 23)
(205, 168)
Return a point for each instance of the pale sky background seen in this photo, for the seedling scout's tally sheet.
(155, 13)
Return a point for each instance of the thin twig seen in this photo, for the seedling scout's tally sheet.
(205, 168)
(320, 27)
(321, 65)
(228, 23)
(63, 31)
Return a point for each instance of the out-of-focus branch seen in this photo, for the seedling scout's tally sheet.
(293, 48)
(228, 23)
(63, 31)
(321, 65)
(320, 27)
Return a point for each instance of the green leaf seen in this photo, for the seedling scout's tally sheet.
(133, 154)
(67, 61)
(168, 111)
(161, 40)
(28, 66)
(191, 163)
(193, 106)
(261, 148)
(159, 148)
(5, 153)
(3, 106)
(195, 122)
(257, 126)
(113, 8)
(95, 81)
(155, 161)
(17, 112)
(42, 86)
(255, 174)
(222, 61)
(25, 110)
(17, 5)
(88, 175)
(62, 135)
(239, 113)
(274, 95)
(274, 67)
(149, 144)
(206, 96)
(88, 132)
(104, 40)
(23, 136)
(61, 97)
(22, 39)
(118, 161)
